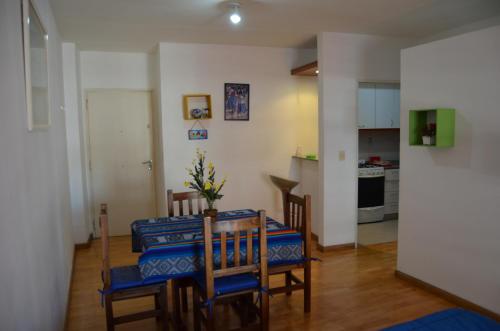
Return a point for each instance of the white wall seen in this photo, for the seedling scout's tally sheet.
(75, 146)
(36, 246)
(307, 130)
(382, 143)
(111, 70)
(344, 60)
(116, 70)
(449, 198)
(244, 151)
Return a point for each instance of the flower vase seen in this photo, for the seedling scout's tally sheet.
(212, 213)
(426, 140)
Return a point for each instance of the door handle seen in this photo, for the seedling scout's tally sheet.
(149, 163)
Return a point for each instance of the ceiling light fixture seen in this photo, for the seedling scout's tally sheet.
(235, 12)
(317, 71)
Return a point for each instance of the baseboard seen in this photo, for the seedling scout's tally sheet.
(70, 287)
(86, 244)
(447, 295)
(336, 247)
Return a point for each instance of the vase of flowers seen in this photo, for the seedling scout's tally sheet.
(202, 179)
(429, 134)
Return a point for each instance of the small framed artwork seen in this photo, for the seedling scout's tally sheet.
(197, 106)
(198, 134)
(236, 102)
(35, 39)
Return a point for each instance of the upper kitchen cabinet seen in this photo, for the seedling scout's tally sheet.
(378, 106)
(366, 105)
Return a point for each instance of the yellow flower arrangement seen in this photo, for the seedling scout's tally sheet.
(208, 188)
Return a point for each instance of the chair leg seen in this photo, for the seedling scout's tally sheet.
(184, 297)
(196, 309)
(307, 287)
(264, 311)
(110, 325)
(288, 282)
(176, 300)
(163, 305)
(210, 318)
(157, 305)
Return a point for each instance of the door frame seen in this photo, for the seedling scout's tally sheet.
(155, 153)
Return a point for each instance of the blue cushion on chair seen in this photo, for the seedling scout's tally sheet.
(230, 284)
(129, 276)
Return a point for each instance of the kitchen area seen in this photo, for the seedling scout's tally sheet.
(378, 162)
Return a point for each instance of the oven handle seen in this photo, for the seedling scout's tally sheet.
(370, 176)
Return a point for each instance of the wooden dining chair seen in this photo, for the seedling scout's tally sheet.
(180, 286)
(125, 282)
(233, 279)
(180, 197)
(297, 212)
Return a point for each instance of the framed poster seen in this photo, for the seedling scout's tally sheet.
(35, 40)
(236, 102)
(198, 134)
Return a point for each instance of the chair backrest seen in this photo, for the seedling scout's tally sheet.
(297, 212)
(103, 224)
(180, 197)
(236, 227)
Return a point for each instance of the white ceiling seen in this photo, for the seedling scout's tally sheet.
(137, 25)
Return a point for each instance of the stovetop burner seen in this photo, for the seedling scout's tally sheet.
(368, 165)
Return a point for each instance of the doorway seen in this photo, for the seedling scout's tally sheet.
(378, 166)
(121, 156)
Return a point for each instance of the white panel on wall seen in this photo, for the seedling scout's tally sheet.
(246, 151)
(358, 58)
(449, 210)
(36, 246)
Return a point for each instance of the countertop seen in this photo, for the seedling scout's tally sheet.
(304, 158)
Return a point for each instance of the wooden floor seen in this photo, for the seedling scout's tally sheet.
(353, 289)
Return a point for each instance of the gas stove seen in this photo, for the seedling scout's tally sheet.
(367, 170)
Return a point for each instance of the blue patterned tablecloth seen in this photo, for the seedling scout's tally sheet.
(172, 247)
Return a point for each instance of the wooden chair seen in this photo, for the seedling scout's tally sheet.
(125, 282)
(297, 212)
(180, 286)
(180, 197)
(232, 280)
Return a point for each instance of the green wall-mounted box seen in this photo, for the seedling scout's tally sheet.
(445, 126)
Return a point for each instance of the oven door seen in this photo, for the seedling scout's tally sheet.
(371, 191)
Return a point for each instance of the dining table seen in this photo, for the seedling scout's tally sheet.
(173, 247)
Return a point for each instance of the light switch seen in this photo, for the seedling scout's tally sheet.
(341, 155)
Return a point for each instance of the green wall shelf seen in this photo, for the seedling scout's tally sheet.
(445, 126)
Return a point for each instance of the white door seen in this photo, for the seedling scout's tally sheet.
(366, 106)
(121, 154)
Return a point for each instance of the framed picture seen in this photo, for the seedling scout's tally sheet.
(236, 102)
(197, 106)
(198, 134)
(35, 40)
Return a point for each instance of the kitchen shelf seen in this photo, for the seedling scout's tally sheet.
(306, 70)
(445, 126)
(202, 102)
(304, 158)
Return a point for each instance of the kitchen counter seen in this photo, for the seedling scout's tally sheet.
(304, 158)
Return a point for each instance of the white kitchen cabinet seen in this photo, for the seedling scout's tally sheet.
(386, 106)
(366, 106)
(391, 191)
(378, 106)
